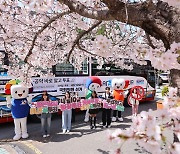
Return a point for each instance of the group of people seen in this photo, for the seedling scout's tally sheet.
(68, 116)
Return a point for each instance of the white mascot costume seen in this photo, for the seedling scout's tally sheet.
(119, 85)
(19, 109)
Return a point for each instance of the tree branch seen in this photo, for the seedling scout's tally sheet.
(150, 41)
(79, 46)
(89, 12)
(113, 4)
(154, 18)
(41, 30)
(80, 36)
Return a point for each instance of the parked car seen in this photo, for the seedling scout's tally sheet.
(163, 78)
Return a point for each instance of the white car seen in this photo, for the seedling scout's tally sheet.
(163, 78)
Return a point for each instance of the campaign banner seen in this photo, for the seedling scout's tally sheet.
(69, 106)
(44, 107)
(46, 103)
(83, 104)
(35, 110)
(107, 105)
(113, 104)
(95, 103)
(60, 84)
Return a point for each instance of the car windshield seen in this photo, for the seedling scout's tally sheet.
(164, 74)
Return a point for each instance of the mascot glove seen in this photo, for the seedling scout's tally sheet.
(29, 98)
(125, 93)
(8, 99)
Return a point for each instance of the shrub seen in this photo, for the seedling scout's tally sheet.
(165, 90)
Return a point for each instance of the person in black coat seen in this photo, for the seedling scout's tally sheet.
(106, 113)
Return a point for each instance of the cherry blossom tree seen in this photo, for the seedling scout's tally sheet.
(148, 128)
(38, 34)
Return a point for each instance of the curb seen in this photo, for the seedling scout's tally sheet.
(3, 151)
(10, 149)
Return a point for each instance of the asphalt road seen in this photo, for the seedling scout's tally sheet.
(79, 141)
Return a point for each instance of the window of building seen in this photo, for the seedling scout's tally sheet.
(67, 69)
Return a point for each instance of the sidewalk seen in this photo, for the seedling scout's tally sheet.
(7, 149)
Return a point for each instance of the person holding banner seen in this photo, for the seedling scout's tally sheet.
(134, 102)
(66, 115)
(93, 112)
(93, 83)
(45, 117)
(106, 113)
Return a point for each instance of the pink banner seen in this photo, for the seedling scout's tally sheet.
(46, 103)
(83, 103)
(69, 106)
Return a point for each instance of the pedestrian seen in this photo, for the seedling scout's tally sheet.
(134, 102)
(93, 112)
(106, 113)
(45, 117)
(66, 115)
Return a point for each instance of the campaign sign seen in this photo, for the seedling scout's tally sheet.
(53, 109)
(113, 104)
(83, 104)
(69, 106)
(46, 103)
(95, 106)
(44, 107)
(35, 110)
(93, 103)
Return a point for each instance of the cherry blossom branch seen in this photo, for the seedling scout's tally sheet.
(2, 28)
(80, 36)
(145, 15)
(41, 30)
(79, 46)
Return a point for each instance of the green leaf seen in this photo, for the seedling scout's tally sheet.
(79, 30)
(101, 30)
(165, 90)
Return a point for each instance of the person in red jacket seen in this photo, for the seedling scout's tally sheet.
(119, 85)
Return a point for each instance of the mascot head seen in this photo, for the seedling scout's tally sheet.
(16, 90)
(93, 83)
(119, 84)
(19, 92)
